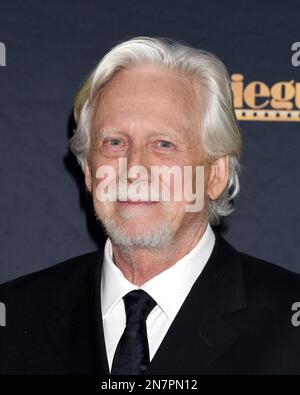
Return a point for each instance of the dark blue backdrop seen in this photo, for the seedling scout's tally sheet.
(51, 46)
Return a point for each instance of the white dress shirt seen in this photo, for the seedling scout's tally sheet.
(169, 289)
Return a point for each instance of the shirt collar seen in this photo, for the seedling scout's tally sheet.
(169, 288)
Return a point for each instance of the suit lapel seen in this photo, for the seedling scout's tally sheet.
(200, 334)
(76, 324)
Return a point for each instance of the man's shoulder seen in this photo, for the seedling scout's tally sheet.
(38, 301)
(254, 265)
(266, 280)
(54, 276)
(268, 272)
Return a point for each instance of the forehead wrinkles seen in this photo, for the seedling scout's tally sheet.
(180, 90)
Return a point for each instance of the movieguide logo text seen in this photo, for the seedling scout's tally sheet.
(256, 101)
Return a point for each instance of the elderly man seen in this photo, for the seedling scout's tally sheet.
(168, 295)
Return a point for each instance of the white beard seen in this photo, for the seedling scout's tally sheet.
(159, 238)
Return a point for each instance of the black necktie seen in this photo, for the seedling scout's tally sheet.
(132, 352)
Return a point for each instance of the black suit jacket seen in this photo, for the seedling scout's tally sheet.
(235, 320)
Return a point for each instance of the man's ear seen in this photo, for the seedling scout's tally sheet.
(87, 175)
(218, 178)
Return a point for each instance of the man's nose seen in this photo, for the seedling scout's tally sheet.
(138, 157)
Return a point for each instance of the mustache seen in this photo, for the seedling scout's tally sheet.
(134, 191)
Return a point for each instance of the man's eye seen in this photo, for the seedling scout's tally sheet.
(114, 142)
(165, 144)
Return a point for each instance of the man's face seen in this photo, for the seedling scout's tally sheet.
(150, 116)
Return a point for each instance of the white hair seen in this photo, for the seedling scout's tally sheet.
(218, 124)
